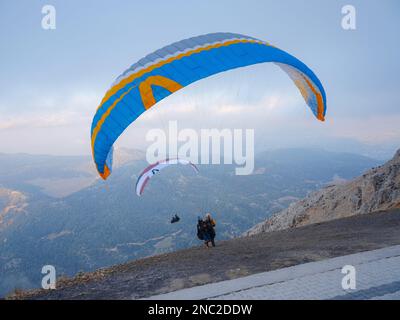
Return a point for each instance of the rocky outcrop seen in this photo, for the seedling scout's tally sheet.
(378, 189)
(12, 202)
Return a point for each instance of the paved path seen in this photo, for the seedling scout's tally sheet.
(377, 277)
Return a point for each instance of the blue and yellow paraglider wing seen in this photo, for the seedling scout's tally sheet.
(173, 67)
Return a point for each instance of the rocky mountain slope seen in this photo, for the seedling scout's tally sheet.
(12, 202)
(376, 190)
(230, 259)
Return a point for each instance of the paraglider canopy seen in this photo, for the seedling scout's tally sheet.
(175, 66)
(155, 168)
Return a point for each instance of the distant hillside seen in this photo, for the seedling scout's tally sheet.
(105, 223)
(55, 176)
(377, 189)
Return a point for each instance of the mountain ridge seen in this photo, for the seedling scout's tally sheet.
(375, 190)
(230, 259)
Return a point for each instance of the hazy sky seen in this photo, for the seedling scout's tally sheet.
(53, 80)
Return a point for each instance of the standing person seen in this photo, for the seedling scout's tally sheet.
(210, 226)
(203, 232)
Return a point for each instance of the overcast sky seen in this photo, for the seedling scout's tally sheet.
(53, 80)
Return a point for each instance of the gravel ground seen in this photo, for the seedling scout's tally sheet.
(231, 259)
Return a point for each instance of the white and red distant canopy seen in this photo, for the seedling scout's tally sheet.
(155, 168)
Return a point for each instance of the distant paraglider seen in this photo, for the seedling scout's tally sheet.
(175, 219)
(155, 168)
(175, 66)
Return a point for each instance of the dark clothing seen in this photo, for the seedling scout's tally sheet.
(210, 228)
(210, 231)
(206, 232)
(206, 237)
(175, 219)
(200, 231)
